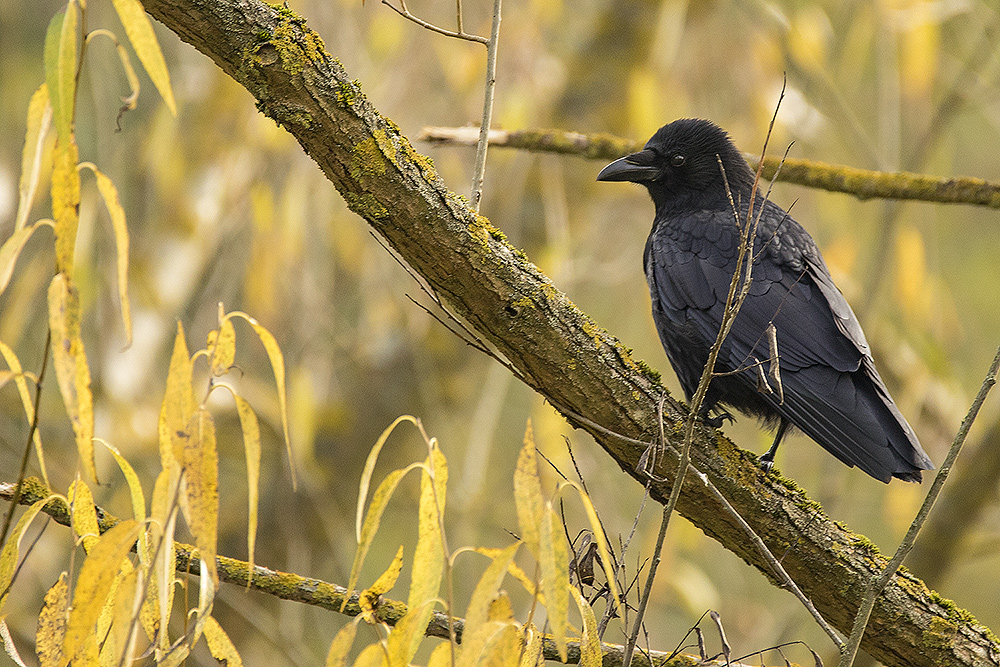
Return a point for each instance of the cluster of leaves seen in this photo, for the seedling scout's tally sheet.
(96, 619)
(490, 633)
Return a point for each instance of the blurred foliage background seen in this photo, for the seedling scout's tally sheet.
(223, 206)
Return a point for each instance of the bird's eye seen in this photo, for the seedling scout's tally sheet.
(678, 160)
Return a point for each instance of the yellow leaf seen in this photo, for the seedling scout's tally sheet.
(11, 250)
(505, 647)
(251, 446)
(528, 493)
(341, 644)
(11, 550)
(84, 514)
(441, 656)
(128, 602)
(405, 637)
(72, 371)
(140, 33)
(178, 403)
(162, 528)
(65, 202)
(428, 557)
(39, 121)
(590, 643)
(110, 196)
(369, 469)
(135, 493)
(488, 586)
(372, 520)
(370, 596)
(222, 347)
(14, 364)
(94, 584)
(175, 656)
(371, 656)
(554, 562)
(201, 482)
(220, 645)
(60, 68)
(607, 563)
(52, 623)
(532, 655)
(278, 365)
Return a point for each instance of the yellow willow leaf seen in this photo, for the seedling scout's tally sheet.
(505, 647)
(372, 520)
(428, 556)
(11, 550)
(405, 637)
(607, 564)
(108, 646)
(94, 584)
(162, 527)
(278, 365)
(528, 493)
(341, 644)
(124, 614)
(72, 371)
(135, 493)
(14, 364)
(52, 623)
(440, 656)
(251, 446)
(60, 67)
(590, 643)
(220, 645)
(140, 33)
(370, 596)
(222, 347)
(110, 196)
(11, 250)
(528, 583)
(178, 403)
(201, 483)
(476, 645)
(371, 656)
(39, 121)
(175, 656)
(84, 514)
(532, 654)
(65, 201)
(369, 469)
(488, 587)
(554, 560)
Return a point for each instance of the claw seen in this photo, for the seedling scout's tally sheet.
(718, 420)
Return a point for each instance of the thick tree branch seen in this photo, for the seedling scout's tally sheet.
(561, 352)
(862, 183)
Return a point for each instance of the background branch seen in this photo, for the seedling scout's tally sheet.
(862, 183)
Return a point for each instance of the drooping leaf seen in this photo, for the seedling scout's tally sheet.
(39, 121)
(52, 623)
(221, 645)
(201, 482)
(65, 201)
(140, 32)
(554, 561)
(528, 494)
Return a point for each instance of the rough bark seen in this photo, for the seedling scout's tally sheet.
(558, 350)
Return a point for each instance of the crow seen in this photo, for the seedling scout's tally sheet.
(826, 384)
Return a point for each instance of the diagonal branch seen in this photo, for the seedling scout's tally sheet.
(560, 351)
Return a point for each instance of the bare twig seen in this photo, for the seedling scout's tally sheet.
(879, 583)
(457, 34)
(484, 127)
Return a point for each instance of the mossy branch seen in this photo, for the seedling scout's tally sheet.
(862, 183)
(558, 350)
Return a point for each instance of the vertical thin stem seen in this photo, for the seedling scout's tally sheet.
(877, 585)
(484, 129)
(458, 15)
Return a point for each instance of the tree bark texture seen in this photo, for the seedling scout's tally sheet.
(558, 350)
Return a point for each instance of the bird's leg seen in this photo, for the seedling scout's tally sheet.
(767, 460)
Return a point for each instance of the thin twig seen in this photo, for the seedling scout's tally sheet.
(459, 34)
(484, 127)
(878, 584)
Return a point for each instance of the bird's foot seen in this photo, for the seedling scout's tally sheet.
(766, 462)
(718, 420)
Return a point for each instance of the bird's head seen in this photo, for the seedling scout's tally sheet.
(680, 166)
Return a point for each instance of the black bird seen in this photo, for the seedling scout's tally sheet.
(829, 387)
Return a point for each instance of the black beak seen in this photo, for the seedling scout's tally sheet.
(637, 167)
